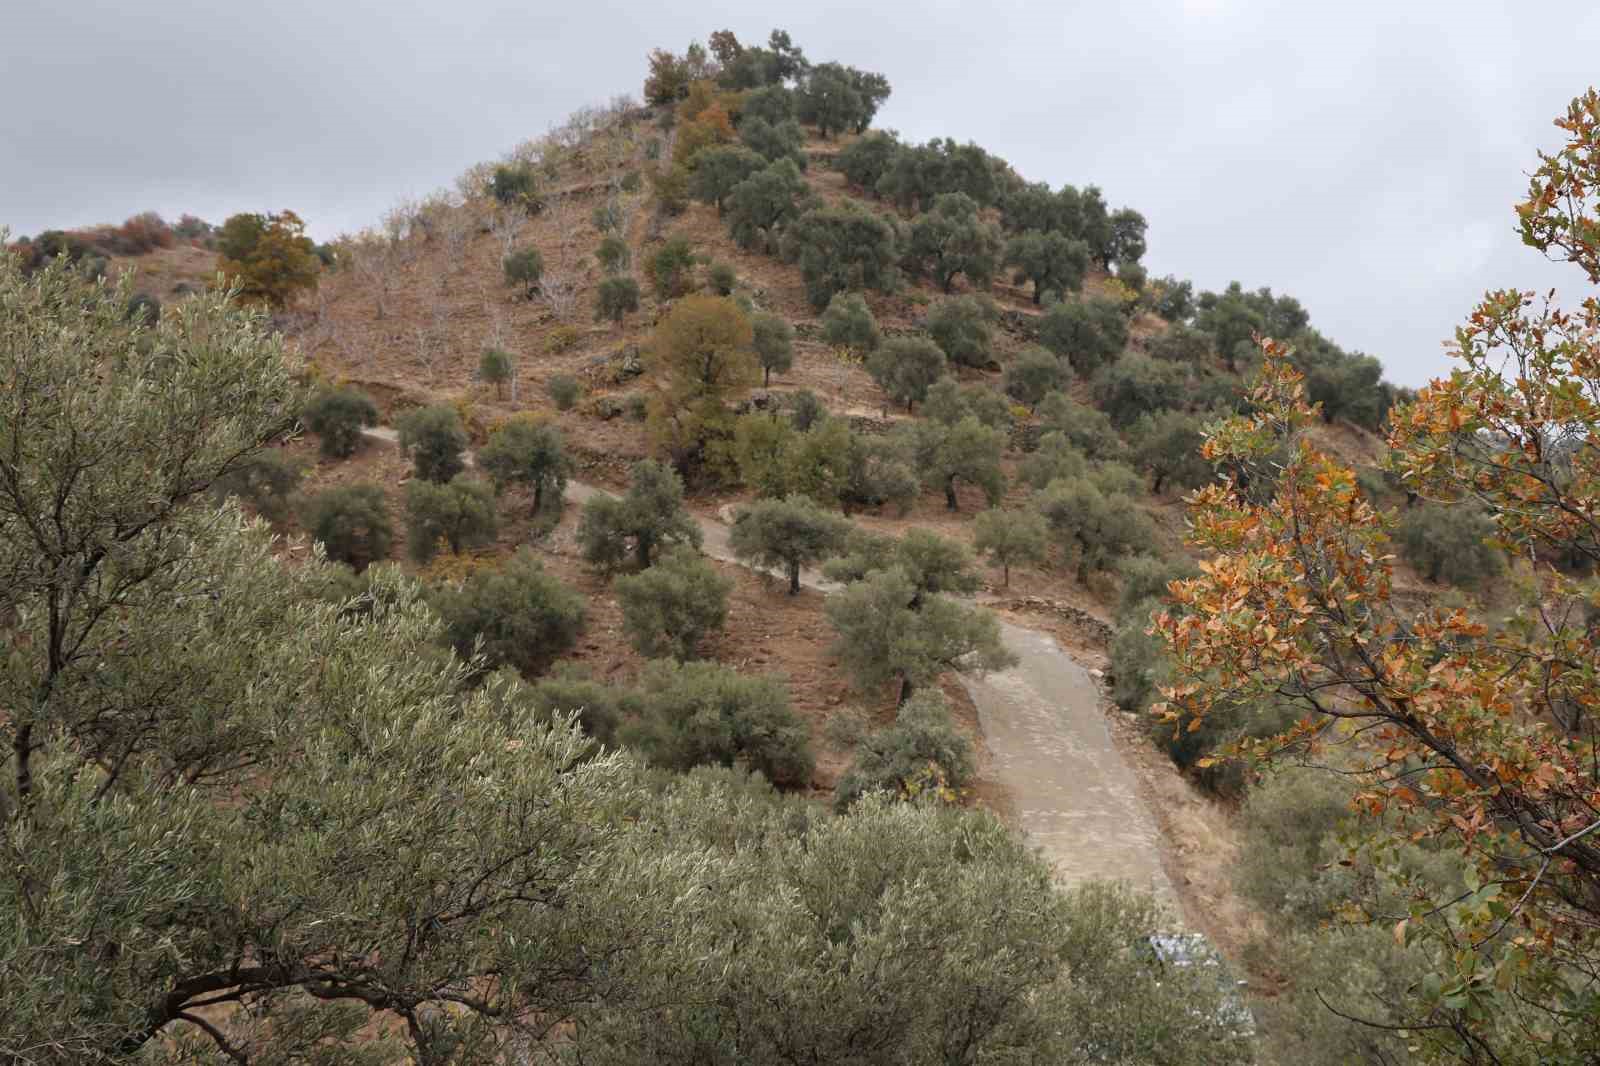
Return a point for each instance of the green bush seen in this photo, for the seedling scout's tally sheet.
(674, 605)
(697, 713)
(959, 325)
(1181, 344)
(1450, 544)
(601, 709)
(524, 617)
(1087, 428)
(848, 322)
(436, 440)
(1034, 374)
(351, 522)
(528, 452)
(923, 752)
(515, 183)
(337, 415)
(524, 268)
(266, 481)
(563, 390)
(1146, 577)
(459, 514)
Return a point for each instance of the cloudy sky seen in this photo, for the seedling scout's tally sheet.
(1362, 157)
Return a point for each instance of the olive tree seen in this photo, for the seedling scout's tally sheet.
(351, 522)
(905, 367)
(789, 533)
(517, 615)
(638, 523)
(436, 440)
(952, 239)
(459, 514)
(960, 326)
(840, 249)
(529, 452)
(717, 170)
(772, 338)
(1053, 262)
(1011, 538)
(848, 322)
(1090, 333)
(337, 415)
(1033, 375)
(670, 608)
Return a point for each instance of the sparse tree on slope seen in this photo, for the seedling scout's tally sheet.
(790, 533)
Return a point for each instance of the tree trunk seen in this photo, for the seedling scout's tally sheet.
(1005, 579)
(1037, 294)
(538, 496)
(766, 381)
(905, 691)
(641, 550)
(950, 501)
(794, 577)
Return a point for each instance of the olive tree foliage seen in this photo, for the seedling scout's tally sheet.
(890, 631)
(351, 522)
(1011, 538)
(864, 161)
(528, 452)
(1137, 385)
(1089, 333)
(1094, 527)
(266, 482)
(952, 240)
(772, 338)
(516, 615)
(717, 170)
(497, 366)
(960, 326)
(1053, 262)
(830, 949)
(905, 367)
(848, 322)
(639, 523)
(787, 533)
(669, 609)
(1087, 428)
(932, 563)
(922, 753)
(524, 268)
(967, 451)
(1033, 375)
(615, 298)
(460, 514)
(763, 205)
(774, 140)
(337, 416)
(948, 401)
(150, 868)
(840, 249)
(436, 439)
(1166, 445)
(1450, 543)
(693, 714)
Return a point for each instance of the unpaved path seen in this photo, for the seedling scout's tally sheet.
(1076, 798)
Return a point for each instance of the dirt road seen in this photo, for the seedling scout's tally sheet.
(1076, 799)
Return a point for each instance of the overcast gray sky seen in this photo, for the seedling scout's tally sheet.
(1362, 157)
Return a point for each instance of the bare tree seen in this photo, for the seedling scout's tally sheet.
(376, 264)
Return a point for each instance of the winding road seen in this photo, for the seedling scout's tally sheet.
(1075, 797)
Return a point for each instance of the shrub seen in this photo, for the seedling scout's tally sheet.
(923, 752)
(960, 327)
(1011, 538)
(268, 257)
(1449, 543)
(805, 410)
(436, 440)
(461, 514)
(563, 390)
(1056, 457)
(266, 481)
(140, 234)
(337, 415)
(671, 607)
(561, 339)
(722, 277)
(351, 522)
(848, 322)
(524, 617)
(144, 310)
(524, 268)
(1146, 577)
(699, 713)
(496, 366)
(670, 184)
(650, 515)
(1136, 384)
(528, 452)
(637, 406)
(905, 367)
(1089, 333)
(613, 255)
(789, 533)
(607, 215)
(1034, 374)
(615, 298)
(670, 266)
(773, 341)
